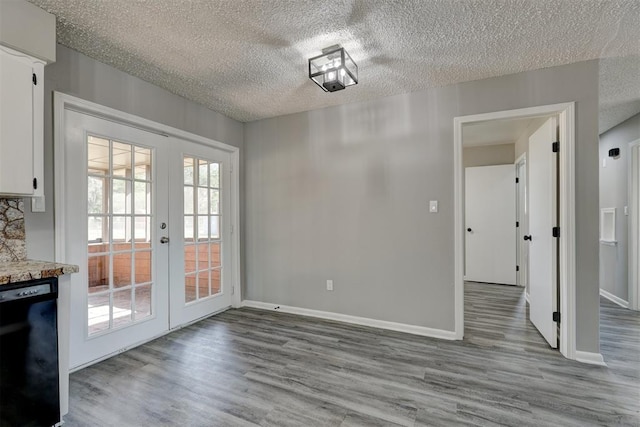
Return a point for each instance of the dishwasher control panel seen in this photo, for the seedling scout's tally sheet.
(27, 291)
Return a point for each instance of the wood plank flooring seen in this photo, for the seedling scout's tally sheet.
(249, 367)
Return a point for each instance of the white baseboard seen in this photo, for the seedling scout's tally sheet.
(364, 321)
(614, 299)
(591, 358)
(526, 297)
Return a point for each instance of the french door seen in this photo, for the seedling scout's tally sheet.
(149, 232)
(200, 177)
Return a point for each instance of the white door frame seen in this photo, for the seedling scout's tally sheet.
(567, 265)
(522, 159)
(63, 101)
(634, 224)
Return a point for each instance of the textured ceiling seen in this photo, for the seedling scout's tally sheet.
(248, 58)
(619, 90)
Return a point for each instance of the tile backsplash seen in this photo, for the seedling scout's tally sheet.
(12, 235)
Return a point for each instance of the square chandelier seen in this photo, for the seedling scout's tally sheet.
(334, 70)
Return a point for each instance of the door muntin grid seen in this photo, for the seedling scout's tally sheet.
(120, 255)
(202, 219)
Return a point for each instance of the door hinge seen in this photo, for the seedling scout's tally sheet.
(517, 224)
(517, 180)
(517, 268)
(556, 316)
(556, 232)
(35, 183)
(231, 228)
(34, 79)
(555, 147)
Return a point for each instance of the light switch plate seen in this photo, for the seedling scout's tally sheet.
(433, 206)
(37, 204)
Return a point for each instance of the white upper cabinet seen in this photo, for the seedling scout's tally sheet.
(21, 124)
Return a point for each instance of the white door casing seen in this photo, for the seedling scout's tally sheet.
(566, 112)
(490, 216)
(543, 246)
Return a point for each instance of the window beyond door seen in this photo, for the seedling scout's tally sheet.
(202, 222)
(119, 191)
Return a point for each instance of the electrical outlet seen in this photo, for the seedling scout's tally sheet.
(329, 285)
(433, 206)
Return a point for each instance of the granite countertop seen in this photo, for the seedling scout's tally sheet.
(21, 271)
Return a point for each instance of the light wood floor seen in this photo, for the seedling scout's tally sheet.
(249, 367)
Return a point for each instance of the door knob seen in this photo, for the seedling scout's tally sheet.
(164, 239)
(527, 237)
(469, 230)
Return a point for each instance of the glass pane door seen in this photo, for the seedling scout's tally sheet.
(201, 176)
(119, 252)
(202, 238)
(116, 201)
(141, 274)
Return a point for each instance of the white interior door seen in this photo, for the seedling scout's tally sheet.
(116, 198)
(490, 218)
(543, 247)
(523, 225)
(200, 246)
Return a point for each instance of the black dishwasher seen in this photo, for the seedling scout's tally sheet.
(29, 386)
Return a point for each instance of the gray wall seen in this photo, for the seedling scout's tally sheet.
(613, 194)
(488, 155)
(81, 76)
(342, 193)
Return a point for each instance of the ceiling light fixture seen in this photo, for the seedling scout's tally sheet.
(334, 70)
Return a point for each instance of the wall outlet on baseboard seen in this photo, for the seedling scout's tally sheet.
(329, 285)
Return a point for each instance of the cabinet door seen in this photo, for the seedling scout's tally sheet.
(16, 124)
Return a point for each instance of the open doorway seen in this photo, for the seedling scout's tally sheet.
(620, 242)
(497, 211)
(619, 199)
(552, 286)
